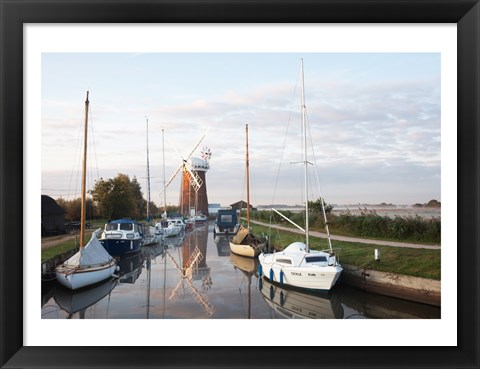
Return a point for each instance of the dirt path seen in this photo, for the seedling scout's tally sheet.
(354, 239)
(48, 242)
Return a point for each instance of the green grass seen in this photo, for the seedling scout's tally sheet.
(62, 247)
(58, 249)
(423, 263)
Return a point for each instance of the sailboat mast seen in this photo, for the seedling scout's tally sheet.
(148, 180)
(84, 177)
(164, 182)
(248, 180)
(304, 127)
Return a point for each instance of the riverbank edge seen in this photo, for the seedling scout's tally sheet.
(405, 287)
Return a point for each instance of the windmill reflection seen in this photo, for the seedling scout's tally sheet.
(193, 267)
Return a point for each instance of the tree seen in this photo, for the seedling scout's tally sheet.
(73, 208)
(118, 197)
(316, 206)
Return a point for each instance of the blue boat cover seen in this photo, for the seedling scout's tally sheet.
(227, 218)
(123, 221)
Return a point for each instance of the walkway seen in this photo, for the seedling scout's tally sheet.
(353, 239)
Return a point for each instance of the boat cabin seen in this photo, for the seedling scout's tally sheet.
(123, 228)
(296, 254)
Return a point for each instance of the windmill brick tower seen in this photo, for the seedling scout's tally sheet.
(193, 191)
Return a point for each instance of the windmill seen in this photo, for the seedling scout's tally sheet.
(193, 192)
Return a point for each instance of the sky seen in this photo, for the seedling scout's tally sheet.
(374, 121)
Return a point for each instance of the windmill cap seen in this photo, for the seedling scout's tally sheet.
(198, 164)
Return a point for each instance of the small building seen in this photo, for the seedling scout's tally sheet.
(240, 205)
(213, 209)
(53, 217)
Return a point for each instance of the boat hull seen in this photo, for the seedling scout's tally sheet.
(75, 278)
(226, 230)
(245, 250)
(118, 247)
(312, 278)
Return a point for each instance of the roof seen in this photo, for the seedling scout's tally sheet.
(124, 220)
(50, 206)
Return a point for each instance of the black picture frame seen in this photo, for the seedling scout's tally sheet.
(14, 14)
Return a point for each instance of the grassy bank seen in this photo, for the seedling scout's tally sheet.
(415, 262)
(59, 246)
(58, 249)
(368, 225)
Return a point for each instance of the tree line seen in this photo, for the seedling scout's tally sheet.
(113, 198)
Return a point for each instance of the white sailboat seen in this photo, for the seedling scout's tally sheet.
(166, 227)
(92, 263)
(152, 235)
(297, 265)
(245, 243)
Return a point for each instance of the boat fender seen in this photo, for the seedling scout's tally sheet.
(260, 270)
(282, 299)
(260, 284)
(281, 278)
(271, 275)
(272, 293)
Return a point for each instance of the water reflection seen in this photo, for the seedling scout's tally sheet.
(223, 244)
(294, 304)
(194, 267)
(130, 267)
(194, 276)
(72, 302)
(248, 267)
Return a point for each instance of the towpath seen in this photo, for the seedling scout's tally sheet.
(353, 239)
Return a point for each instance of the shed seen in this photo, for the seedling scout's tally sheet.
(240, 205)
(53, 217)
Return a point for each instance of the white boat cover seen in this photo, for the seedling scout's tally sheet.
(92, 254)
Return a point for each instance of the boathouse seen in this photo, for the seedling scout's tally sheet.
(53, 217)
(240, 205)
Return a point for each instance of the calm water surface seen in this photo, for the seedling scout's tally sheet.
(195, 277)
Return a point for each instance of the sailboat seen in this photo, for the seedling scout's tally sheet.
(297, 265)
(92, 263)
(245, 243)
(167, 227)
(152, 235)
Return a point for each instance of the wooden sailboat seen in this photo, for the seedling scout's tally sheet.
(92, 263)
(297, 265)
(245, 243)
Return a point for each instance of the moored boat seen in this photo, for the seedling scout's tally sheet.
(245, 243)
(152, 235)
(168, 228)
(91, 264)
(122, 236)
(297, 265)
(226, 222)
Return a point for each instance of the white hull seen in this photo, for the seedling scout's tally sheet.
(245, 250)
(152, 239)
(290, 267)
(226, 231)
(171, 231)
(78, 277)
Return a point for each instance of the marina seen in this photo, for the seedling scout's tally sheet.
(194, 276)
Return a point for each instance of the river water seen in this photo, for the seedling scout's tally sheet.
(194, 276)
